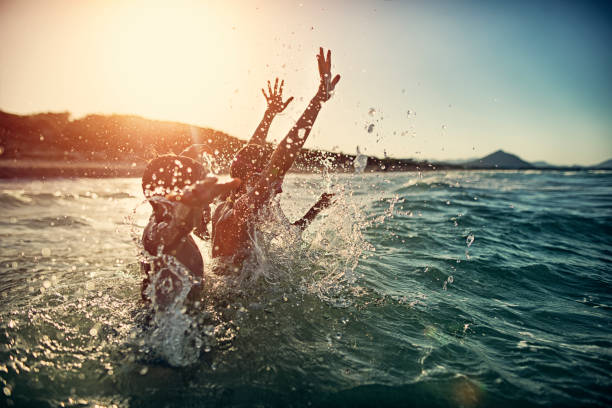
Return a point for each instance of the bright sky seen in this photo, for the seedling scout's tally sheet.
(447, 79)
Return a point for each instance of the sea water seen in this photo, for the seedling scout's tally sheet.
(470, 289)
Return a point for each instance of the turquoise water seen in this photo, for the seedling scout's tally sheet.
(458, 289)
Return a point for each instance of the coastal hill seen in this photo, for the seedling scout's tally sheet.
(501, 160)
(542, 164)
(54, 144)
(604, 165)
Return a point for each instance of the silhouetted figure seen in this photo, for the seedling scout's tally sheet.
(178, 190)
(233, 219)
(251, 160)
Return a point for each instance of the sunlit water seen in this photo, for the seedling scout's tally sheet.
(443, 289)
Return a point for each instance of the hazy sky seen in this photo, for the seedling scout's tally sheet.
(446, 79)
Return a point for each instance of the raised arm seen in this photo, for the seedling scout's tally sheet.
(176, 214)
(274, 99)
(285, 154)
(203, 192)
(323, 202)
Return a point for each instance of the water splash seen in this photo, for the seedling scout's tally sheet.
(171, 332)
(319, 263)
(360, 162)
(469, 240)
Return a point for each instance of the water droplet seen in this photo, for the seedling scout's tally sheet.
(469, 240)
(144, 371)
(45, 252)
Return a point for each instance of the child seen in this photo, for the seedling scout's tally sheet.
(178, 190)
(232, 221)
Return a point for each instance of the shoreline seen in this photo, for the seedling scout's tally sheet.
(49, 169)
(42, 169)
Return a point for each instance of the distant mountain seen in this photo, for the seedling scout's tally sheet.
(499, 160)
(542, 164)
(459, 161)
(604, 165)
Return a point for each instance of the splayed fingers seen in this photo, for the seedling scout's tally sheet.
(274, 97)
(328, 84)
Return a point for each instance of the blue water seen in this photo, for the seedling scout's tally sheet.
(458, 289)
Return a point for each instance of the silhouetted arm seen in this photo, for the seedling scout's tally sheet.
(285, 154)
(174, 215)
(276, 105)
(323, 202)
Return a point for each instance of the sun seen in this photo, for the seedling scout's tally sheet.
(162, 59)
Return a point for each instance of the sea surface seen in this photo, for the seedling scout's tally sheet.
(444, 289)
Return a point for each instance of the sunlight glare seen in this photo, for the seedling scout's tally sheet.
(163, 57)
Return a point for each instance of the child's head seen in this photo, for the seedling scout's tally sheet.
(170, 173)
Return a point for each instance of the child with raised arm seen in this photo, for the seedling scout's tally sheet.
(178, 190)
(252, 158)
(233, 220)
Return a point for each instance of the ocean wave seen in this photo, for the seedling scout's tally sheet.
(59, 221)
(14, 199)
(20, 198)
(395, 295)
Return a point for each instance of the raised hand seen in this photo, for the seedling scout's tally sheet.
(275, 97)
(326, 88)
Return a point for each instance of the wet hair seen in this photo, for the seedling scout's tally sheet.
(169, 173)
(249, 160)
